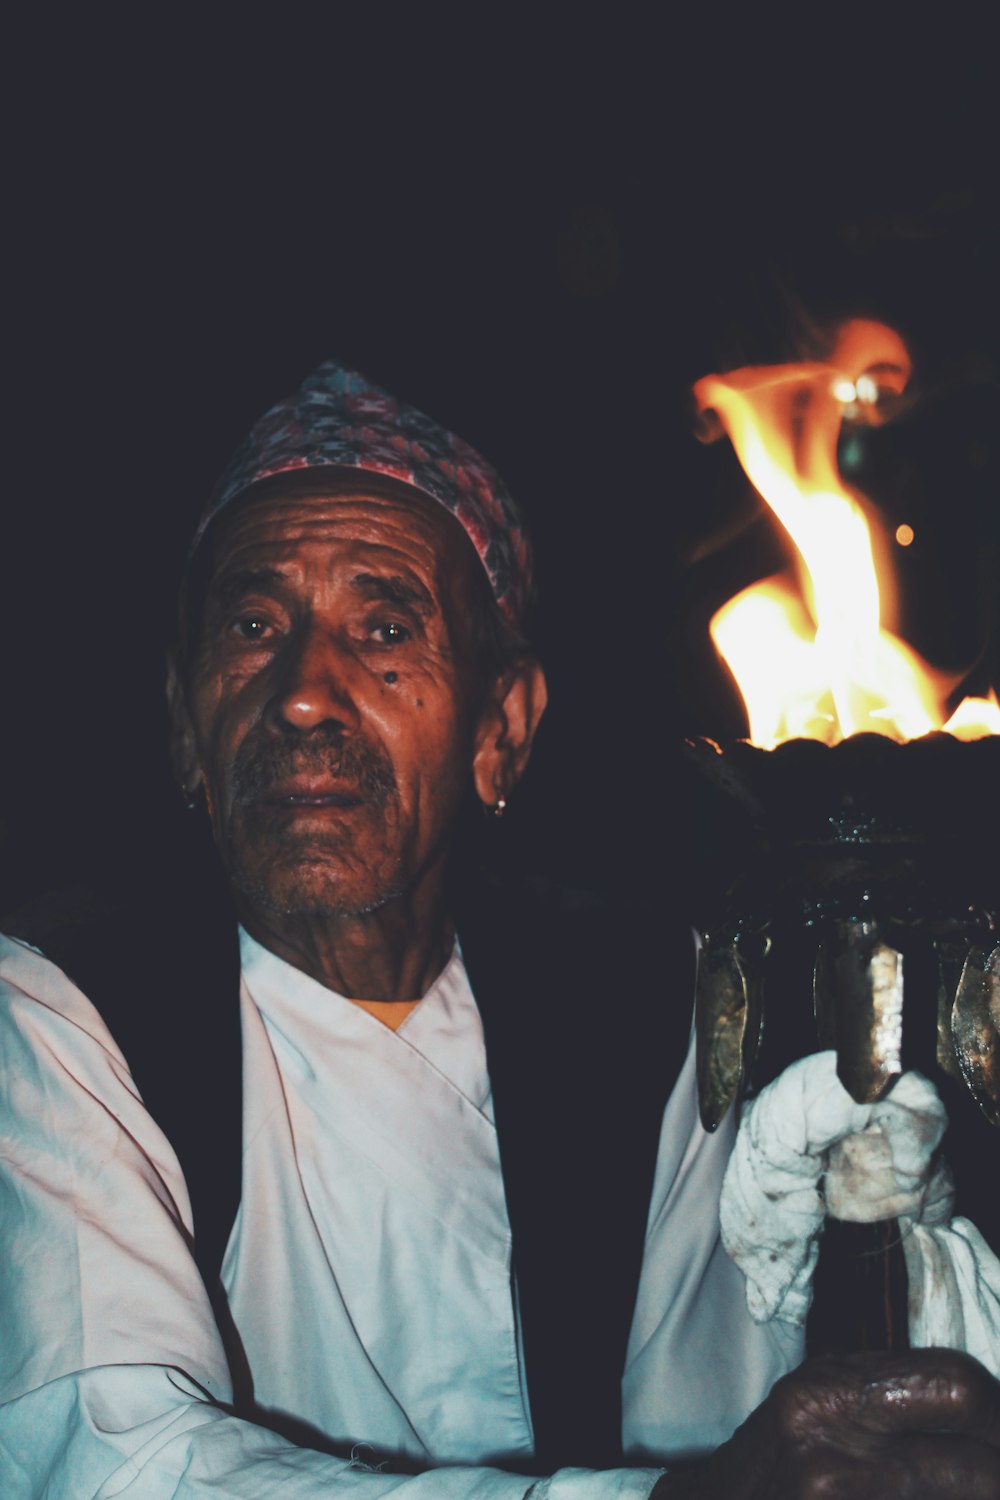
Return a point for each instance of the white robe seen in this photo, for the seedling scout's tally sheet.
(368, 1274)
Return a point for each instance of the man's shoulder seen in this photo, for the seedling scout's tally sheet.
(137, 920)
(55, 948)
(150, 967)
(54, 1043)
(54, 923)
(157, 971)
(33, 948)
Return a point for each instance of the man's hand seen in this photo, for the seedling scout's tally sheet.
(924, 1425)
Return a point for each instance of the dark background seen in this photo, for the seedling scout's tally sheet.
(540, 230)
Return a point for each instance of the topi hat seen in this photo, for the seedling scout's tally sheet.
(338, 418)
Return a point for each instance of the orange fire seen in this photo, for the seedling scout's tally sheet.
(814, 661)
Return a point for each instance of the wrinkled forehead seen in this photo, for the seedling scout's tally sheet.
(339, 521)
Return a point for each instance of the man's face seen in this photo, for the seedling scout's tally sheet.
(333, 698)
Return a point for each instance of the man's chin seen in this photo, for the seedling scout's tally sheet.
(310, 889)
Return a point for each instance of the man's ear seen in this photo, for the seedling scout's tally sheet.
(183, 747)
(506, 729)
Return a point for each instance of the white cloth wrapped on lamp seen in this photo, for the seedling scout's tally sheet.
(806, 1149)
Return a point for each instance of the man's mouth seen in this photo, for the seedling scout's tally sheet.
(330, 799)
(309, 794)
(326, 773)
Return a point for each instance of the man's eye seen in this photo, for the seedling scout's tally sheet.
(251, 628)
(390, 633)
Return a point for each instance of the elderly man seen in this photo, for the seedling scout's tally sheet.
(469, 1225)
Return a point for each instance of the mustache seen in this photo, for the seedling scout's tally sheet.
(260, 765)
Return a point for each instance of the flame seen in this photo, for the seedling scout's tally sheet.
(815, 662)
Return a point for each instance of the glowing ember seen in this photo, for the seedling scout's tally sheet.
(814, 662)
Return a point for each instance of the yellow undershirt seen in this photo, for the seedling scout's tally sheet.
(391, 1013)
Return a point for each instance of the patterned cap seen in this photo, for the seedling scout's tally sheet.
(338, 418)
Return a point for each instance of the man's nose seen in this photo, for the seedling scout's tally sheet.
(313, 684)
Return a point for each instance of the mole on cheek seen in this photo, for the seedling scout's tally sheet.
(420, 702)
(390, 677)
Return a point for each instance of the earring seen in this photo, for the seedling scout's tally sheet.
(499, 807)
(190, 797)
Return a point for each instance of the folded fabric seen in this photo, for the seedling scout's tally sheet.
(806, 1149)
(954, 1290)
(803, 1128)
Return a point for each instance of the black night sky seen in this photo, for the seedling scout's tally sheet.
(540, 233)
